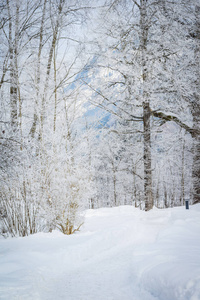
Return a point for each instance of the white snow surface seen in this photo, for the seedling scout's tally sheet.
(120, 253)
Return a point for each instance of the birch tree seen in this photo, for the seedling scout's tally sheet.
(40, 62)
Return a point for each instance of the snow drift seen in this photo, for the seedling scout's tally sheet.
(120, 253)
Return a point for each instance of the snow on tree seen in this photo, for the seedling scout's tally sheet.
(142, 55)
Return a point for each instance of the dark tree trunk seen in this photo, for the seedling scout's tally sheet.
(148, 196)
(196, 113)
(13, 69)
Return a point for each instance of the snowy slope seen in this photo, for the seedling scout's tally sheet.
(120, 254)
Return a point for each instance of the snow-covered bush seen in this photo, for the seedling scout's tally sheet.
(19, 209)
(66, 191)
(20, 188)
(54, 197)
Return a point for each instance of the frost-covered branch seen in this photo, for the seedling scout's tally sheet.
(170, 117)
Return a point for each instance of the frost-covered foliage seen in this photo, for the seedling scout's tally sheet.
(146, 78)
(67, 193)
(42, 179)
(20, 200)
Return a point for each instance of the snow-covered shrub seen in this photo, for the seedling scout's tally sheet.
(19, 210)
(67, 191)
(21, 198)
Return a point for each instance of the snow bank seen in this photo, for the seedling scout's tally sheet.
(120, 254)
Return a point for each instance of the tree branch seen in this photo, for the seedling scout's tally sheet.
(163, 116)
(134, 118)
(137, 4)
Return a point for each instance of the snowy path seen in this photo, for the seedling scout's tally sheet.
(120, 254)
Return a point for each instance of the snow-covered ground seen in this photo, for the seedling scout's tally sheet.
(120, 254)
